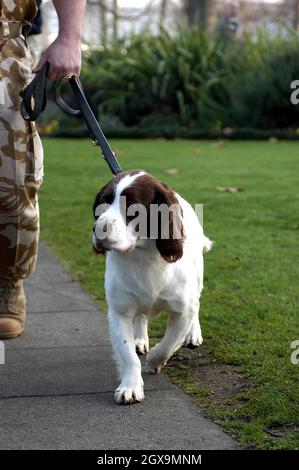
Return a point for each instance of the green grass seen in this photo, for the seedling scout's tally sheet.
(249, 310)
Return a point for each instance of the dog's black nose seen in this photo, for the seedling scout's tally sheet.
(105, 227)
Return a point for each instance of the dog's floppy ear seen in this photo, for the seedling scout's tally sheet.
(105, 195)
(170, 232)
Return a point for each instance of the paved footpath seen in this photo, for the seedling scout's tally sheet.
(56, 387)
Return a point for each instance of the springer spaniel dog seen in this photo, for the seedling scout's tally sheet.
(154, 263)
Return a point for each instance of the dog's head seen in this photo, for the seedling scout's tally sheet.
(134, 207)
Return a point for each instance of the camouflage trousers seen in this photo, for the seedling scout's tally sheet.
(21, 162)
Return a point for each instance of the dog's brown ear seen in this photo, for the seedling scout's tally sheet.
(170, 234)
(105, 195)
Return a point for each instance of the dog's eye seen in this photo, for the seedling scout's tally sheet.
(103, 200)
(125, 203)
(130, 218)
(129, 201)
(100, 209)
(106, 198)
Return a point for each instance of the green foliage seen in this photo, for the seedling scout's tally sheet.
(194, 81)
(260, 75)
(189, 85)
(155, 75)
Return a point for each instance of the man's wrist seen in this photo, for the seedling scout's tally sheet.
(70, 37)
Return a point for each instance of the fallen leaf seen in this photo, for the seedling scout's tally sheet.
(218, 145)
(197, 150)
(228, 189)
(275, 433)
(119, 153)
(171, 171)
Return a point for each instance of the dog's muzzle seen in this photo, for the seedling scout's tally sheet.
(98, 245)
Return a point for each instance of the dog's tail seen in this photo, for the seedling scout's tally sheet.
(207, 244)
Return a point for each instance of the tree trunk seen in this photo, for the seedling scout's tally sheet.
(202, 13)
(210, 15)
(192, 11)
(296, 15)
(163, 12)
(104, 24)
(115, 19)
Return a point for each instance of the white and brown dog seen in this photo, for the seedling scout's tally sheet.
(154, 262)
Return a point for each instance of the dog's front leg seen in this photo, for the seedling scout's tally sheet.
(176, 331)
(121, 327)
(194, 337)
(141, 334)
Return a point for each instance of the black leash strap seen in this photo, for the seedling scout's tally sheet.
(34, 96)
(34, 102)
(95, 132)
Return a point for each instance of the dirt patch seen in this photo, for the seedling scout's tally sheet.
(279, 432)
(222, 380)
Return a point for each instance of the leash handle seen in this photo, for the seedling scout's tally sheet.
(35, 100)
(63, 105)
(34, 96)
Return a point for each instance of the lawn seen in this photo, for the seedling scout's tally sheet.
(242, 376)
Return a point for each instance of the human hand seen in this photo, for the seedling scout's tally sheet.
(64, 57)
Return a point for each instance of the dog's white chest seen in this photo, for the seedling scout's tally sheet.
(141, 281)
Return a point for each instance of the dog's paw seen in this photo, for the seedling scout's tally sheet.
(141, 346)
(129, 395)
(193, 339)
(154, 364)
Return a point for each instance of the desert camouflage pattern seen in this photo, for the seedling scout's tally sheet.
(19, 10)
(21, 153)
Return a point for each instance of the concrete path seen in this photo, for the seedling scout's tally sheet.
(56, 387)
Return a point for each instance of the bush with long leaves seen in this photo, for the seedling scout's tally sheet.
(195, 81)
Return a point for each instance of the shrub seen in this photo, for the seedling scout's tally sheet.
(190, 84)
(162, 75)
(257, 94)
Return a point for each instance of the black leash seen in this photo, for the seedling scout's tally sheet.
(34, 96)
(35, 100)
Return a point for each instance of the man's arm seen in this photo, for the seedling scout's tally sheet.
(64, 54)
